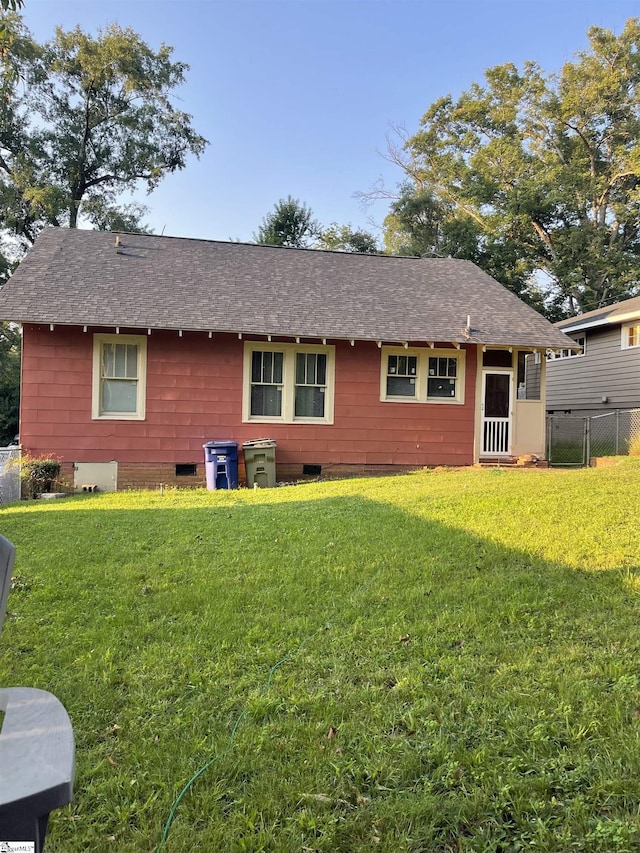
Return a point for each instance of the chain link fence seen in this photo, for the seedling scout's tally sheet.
(9, 475)
(575, 439)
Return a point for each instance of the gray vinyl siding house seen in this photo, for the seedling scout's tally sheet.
(605, 374)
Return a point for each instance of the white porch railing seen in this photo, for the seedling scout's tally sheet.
(495, 436)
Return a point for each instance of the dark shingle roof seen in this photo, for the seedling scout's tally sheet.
(75, 277)
(619, 312)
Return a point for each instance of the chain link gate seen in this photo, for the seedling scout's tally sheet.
(9, 475)
(575, 440)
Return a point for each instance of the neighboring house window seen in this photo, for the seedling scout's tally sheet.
(552, 355)
(631, 336)
(119, 373)
(422, 376)
(288, 382)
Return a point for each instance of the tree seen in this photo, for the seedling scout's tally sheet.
(82, 120)
(289, 224)
(10, 346)
(93, 119)
(545, 169)
(342, 238)
(421, 225)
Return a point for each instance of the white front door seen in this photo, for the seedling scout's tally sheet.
(496, 412)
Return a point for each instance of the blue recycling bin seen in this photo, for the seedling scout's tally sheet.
(221, 464)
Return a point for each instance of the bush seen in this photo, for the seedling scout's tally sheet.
(40, 475)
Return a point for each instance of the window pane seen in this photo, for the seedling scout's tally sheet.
(321, 369)
(108, 359)
(131, 370)
(301, 369)
(401, 372)
(441, 387)
(309, 402)
(277, 367)
(120, 367)
(256, 366)
(119, 395)
(401, 386)
(267, 367)
(266, 400)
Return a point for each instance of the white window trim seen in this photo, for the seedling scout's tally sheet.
(423, 355)
(288, 382)
(625, 335)
(140, 413)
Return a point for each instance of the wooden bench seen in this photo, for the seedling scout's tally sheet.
(37, 750)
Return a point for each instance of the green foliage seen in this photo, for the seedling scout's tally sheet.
(39, 474)
(541, 172)
(10, 351)
(92, 118)
(422, 225)
(367, 664)
(291, 223)
(342, 238)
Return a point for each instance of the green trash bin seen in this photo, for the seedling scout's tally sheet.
(260, 462)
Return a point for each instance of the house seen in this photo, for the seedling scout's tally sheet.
(603, 374)
(138, 349)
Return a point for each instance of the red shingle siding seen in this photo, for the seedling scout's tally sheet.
(194, 395)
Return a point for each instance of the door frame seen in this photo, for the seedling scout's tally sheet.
(508, 421)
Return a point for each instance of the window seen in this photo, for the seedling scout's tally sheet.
(497, 358)
(422, 375)
(442, 377)
(119, 369)
(288, 382)
(552, 355)
(266, 383)
(311, 384)
(529, 375)
(401, 375)
(631, 336)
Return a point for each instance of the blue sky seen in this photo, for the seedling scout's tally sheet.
(297, 97)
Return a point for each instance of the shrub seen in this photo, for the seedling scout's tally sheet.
(39, 475)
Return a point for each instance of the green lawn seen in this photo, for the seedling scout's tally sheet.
(442, 661)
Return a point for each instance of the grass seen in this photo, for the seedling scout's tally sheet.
(443, 661)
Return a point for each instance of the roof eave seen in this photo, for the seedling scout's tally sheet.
(534, 342)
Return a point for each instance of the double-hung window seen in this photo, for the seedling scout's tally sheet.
(422, 375)
(119, 373)
(288, 382)
(266, 383)
(402, 371)
(631, 335)
(311, 384)
(443, 377)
